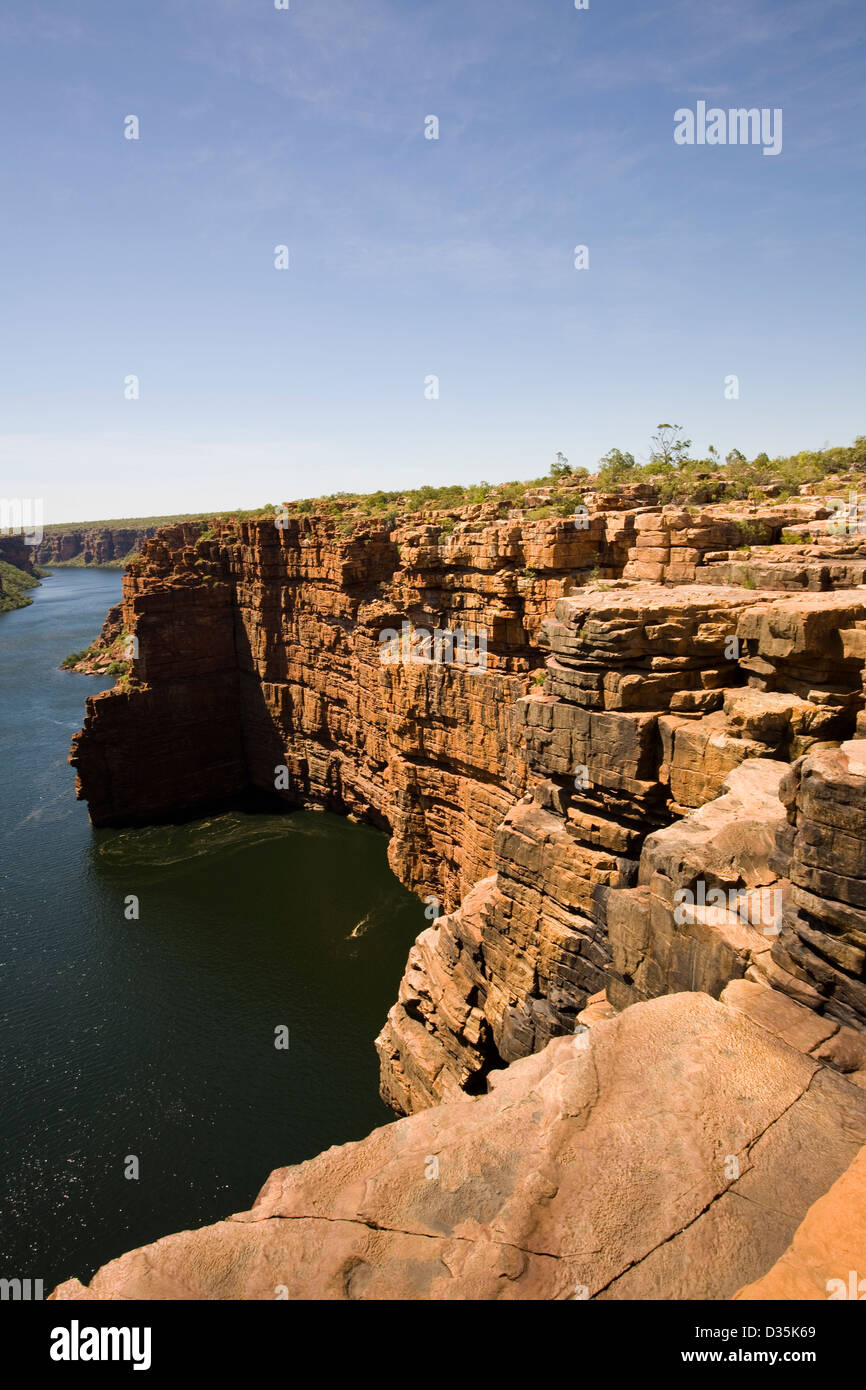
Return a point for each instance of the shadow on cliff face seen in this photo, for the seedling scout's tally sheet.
(254, 801)
(291, 777)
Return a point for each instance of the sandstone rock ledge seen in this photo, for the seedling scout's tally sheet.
(659, 1155)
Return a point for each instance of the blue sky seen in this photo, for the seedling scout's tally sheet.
(411, 257)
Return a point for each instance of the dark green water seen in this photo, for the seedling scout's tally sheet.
(155, 1037)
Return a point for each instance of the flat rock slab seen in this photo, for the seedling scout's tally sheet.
(669, 1152)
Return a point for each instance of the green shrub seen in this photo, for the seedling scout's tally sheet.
(564, 506)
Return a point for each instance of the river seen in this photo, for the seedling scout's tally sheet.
(147, 1044)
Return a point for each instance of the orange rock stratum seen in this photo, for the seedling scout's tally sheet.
(631, 1049)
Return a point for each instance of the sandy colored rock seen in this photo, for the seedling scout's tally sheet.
(822, 850)
(601, 1164)
(829, 1247)
(668, 933)
(796, 1025)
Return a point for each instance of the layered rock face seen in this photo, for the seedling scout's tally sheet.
(91, 545)
(655, 712)
(262, 653)
(742, 889)
(636, 780)
(571, 797)
(280, 631)
(822, 854)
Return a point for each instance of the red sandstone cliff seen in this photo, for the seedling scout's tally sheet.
(91, 545)
(646, 741)
(259, 648)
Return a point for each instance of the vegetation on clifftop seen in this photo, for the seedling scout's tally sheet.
(670, 469)
(671, 472)
(126, 523)
(681, 478)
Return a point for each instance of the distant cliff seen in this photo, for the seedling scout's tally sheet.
(91, 545)
(111, 542)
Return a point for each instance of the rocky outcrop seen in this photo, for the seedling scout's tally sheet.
(518, 961)
(619, 740)
(764, 883)
(704, 909)
(658, 1155)
(110, 652)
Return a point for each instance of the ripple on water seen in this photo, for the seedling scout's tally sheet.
(155, 1036)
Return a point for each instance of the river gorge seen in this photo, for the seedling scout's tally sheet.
(603, 1072)
(154, 1037)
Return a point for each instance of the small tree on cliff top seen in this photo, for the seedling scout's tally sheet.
(616, 467)
(668, 448)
